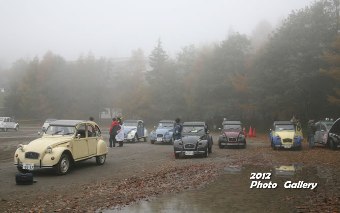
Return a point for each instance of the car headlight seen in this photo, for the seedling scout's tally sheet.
(49, 149)
(21, 147)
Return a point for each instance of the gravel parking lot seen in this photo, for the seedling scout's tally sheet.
(141, 171)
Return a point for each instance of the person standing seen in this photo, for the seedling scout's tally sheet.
(120, 133)
(177, 129)
(311, 129)
(113, 132)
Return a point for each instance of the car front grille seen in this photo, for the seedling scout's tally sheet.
(32, 155)
(159, 135)
(232, 139)
(287, 140)
(189, 146)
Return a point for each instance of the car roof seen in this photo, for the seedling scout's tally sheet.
(166, 121)
(283, 123)
(231, 122)
(68, 122)
(132, 121)
(194, 123)
(326, 122)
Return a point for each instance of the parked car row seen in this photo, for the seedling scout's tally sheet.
(65, 142)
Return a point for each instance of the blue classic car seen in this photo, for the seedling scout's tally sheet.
(163, 132)
(134, 130)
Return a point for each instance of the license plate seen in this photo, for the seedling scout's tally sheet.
(189, 153)
(28, 166)
(287, 146)
(159, 139)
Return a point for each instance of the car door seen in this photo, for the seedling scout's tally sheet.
(92, 139)
(80, 143)
(140, 129)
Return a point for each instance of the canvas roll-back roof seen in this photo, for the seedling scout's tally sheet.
(66, 122)
(166, 121)
(231, 122)
(283, 123)
(194, 123)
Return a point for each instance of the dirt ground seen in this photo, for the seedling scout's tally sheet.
(142, 171)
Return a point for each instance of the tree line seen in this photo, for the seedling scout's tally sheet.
(295, 71)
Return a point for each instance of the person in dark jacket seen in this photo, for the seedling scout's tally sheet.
(177, 129)
(311, 129)
(113, 132)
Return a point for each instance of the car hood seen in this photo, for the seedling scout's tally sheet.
(190, 138)
(285, 134)
(335, 129)
(40, 144)
(162, 130)
(129, 128)
(232, 134)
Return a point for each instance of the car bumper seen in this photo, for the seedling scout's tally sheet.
(232, 143)
(163, 140)
(36, 166)
(287, 146)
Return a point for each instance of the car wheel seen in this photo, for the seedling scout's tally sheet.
(135, 139)
(64, 164)
(100, 159)
(176, 155)
(206, 153)
(152, 141)
(332, 144)
(172, 141)
(144, 139)
(210, 149)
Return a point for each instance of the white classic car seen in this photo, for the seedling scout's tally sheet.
(7, 123)
(64, 143)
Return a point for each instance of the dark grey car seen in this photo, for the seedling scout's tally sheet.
(195, 140)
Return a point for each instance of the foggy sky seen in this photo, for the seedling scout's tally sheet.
(112, 28)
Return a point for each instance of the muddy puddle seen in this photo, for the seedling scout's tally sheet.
(285, 188)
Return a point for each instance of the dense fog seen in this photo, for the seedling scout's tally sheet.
(252, 69)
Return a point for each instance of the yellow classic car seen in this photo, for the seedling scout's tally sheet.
(63, 143)
(286, 135)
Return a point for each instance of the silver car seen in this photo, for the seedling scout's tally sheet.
(7, 123)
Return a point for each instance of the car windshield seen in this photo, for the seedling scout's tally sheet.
(232, 127)
(329, 125)
(129, 123)
(193, 129)
(60, 130)
(283, 127)
(165, 125)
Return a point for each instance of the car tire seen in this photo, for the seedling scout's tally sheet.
(144, 139)
(64, 164)
(135, 139)
(152, 141)
(100, 160)
(210, 149)
(332, 144)
(176, 155)
(206, 153)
